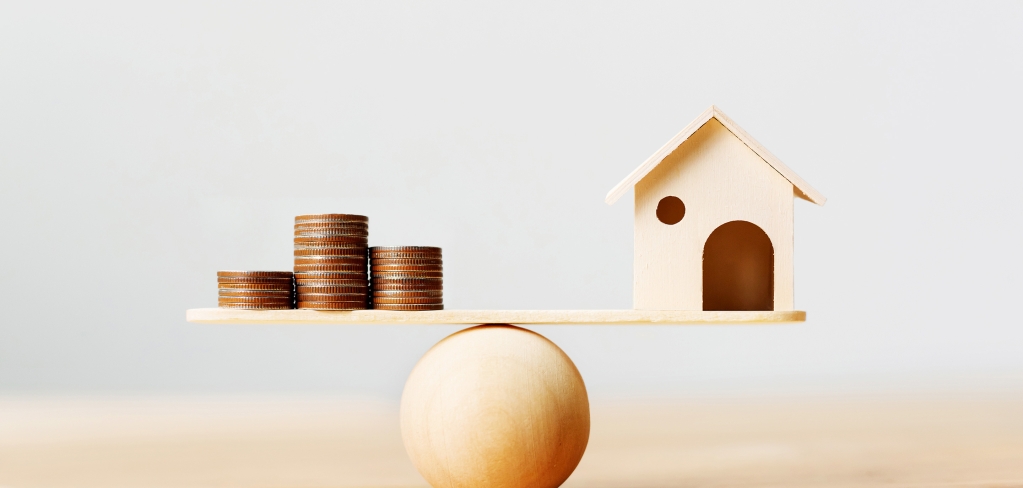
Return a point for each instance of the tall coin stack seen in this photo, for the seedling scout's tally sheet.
(257, 290)
(330, 261)
(407, 278)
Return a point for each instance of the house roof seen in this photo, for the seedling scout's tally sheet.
(803, 189)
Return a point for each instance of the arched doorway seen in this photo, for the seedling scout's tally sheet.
(738, 268)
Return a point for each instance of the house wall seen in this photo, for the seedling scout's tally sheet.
(719, 179)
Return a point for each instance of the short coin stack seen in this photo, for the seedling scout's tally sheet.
(407, 278)
(258, 290)
(330, 261)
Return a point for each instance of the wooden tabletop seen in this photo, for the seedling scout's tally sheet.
(911, 441)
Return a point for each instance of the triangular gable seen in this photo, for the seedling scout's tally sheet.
(803, 189)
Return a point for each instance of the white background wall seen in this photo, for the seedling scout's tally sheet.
(144, 147)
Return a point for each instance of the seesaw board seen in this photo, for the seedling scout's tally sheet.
(471, 317)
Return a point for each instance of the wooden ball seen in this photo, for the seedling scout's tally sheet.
(495, 406)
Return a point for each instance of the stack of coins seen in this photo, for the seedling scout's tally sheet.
(330, 261)
(407, 278)
(257, 290)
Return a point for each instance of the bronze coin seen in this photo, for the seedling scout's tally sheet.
(331, 297)
(256, 286)
(333, 305)
(225, 280)
(344, 290)
(331, 224)
(375, 257)
(306, 268)
(254, 274)
(408, 286)
(332, 260)
(408, 307)
(330, 241)
(407, 301)
(251, 306)
(376, 249)
(257, 300)
(405, 262)
(353, 252)
(331, 235)
(408, 293)
(407, 275)
(331, 218)
(332, 282)
(405, 267)
(330, 275)
(335, 247)
(224, 292)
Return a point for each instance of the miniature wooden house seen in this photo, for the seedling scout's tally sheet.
(713, 221)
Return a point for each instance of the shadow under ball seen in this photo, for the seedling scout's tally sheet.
(495, 406)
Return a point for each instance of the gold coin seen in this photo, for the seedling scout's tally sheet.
(407, 301)
(408, 307)
(331, 218)
(254, 274)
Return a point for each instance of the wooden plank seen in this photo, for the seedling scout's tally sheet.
(470, 317)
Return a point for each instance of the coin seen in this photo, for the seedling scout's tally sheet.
(257, 300)
(405, 267)
(329, 235)
(256, 286)
(333, 305)
(376, 249)
(254, 274)
(407, 275)
(331, 225)
(408, 301)
(436, 285)
(302, 268)
(349, 289)
(408, 307)
(408, 293)
(330, 260)
(330, 275)
(405, 262)
(250, 306)
(347, 283)
(332, 297)
(349, 252)
(225, 280)
(331, 218)
(406, 255)
(254, 293)
(331, 240)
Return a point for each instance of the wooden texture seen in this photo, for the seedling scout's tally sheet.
(473, 317)
(495, 406)
(802, 189)
(720, 180)
(964, 441)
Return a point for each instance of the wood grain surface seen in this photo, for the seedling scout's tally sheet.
(942, 441)
(474, 317)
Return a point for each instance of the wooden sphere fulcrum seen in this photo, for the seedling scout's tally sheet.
(495, 406)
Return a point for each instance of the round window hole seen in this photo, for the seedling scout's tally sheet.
(670, 210)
